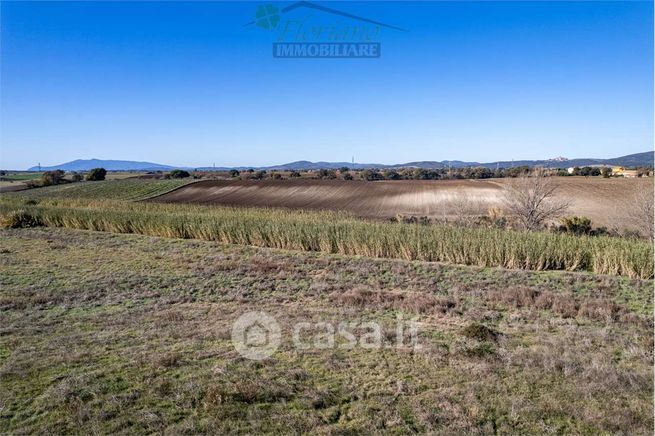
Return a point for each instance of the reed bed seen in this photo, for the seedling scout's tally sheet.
(334, 232)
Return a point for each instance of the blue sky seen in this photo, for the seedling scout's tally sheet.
(187, 84)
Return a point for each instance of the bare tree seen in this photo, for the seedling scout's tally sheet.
(461, 208)
(466, 209)
(641, 211)
(531, 199)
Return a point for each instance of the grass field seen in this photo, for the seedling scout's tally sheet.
(118, 189)
(10, 184)
(102, 332)
(21, 176)
(14, 181)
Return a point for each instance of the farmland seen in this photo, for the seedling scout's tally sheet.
(605, 201)
(117, 309)
(102, 332)
(117, 189)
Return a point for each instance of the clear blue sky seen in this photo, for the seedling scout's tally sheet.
(188, 84)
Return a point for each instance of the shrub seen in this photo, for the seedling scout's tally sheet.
(294, 174)
(423, 174)
(578, 225)
(18, 219)
(234, 173)
(480, 332)
(52, 177)
(494, 219)
(96, 174)
(76, 177)
(372, 175)
(347, 176)
(391, 175)
(179, 174)
(327, 174)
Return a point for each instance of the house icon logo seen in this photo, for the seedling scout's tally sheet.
(256, 335)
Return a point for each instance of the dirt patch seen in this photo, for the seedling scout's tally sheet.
(605, 201)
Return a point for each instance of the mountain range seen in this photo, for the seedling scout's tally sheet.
(109, 165)
(632, 160)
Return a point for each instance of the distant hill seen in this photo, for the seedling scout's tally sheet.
(640, 159)
(632, 160)
(111, 165)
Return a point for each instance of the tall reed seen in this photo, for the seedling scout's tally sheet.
(333, 232)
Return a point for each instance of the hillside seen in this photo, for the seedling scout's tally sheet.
(111, 165)
(639, 159)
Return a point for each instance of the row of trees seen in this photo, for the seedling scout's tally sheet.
(346, 173)
(57, 177)
(443, 173)
(599, 171)
(587, 172)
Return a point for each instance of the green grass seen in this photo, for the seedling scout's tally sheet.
(331, 232)
(121, 189)
(109, 333)
(17, 177)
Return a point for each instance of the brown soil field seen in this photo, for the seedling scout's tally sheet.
(605, 201)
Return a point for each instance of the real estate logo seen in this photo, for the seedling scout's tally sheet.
(307, 30)
(256, 335)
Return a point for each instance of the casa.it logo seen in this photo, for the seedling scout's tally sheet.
(257, 335)
(309, 30)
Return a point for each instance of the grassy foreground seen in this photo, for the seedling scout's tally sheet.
(331, 232)
(102, 332)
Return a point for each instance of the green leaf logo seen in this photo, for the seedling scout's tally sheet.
(267, 16)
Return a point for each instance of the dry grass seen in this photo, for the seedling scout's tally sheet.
(108, 333)
(415, 302)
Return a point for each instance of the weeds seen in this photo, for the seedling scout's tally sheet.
(16, 219)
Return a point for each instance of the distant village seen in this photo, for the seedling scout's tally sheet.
(609, 171)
